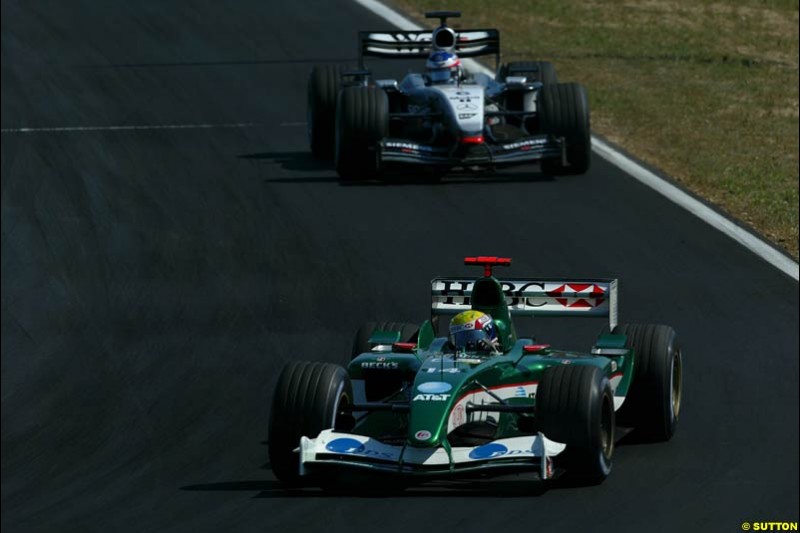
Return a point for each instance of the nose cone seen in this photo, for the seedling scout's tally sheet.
(436, 389)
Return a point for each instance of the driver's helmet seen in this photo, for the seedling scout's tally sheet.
(443, 67)
(473, 331)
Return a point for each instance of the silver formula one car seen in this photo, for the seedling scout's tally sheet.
(446, 117)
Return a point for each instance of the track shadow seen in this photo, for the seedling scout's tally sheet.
(305, 162)
(521, 488)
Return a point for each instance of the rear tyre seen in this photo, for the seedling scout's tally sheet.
(307, 400)
(653, 403)
(542, 71)
(575, 406)
(323, 87)
(565, 113)
(362, 120)
(408, 333)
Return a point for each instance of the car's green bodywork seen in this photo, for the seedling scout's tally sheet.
(432, 360)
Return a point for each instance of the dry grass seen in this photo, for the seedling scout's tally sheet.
(705, 91)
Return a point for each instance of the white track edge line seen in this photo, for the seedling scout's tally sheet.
(697, 208)
(719, 222)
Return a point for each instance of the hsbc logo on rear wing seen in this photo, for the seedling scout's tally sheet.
(534, 297)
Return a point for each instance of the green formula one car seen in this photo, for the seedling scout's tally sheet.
(414, 405)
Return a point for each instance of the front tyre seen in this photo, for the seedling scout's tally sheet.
(653, 404)
(323, 88)
(565, 113)
(575, 406)
(362, 121)
(307, 400)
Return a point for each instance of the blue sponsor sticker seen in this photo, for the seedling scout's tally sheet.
(520, 392)
(434, 387)
(488, 451)
(345, 445)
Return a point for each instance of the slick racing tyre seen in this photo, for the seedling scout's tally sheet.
(323, 88)
(575, 406)
(362, 121)
(307, 400)
(653, 404)
(408, 333)
(565, 113)
(534, 71)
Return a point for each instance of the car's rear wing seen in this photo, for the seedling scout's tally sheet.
(399, 44)
(534, 297)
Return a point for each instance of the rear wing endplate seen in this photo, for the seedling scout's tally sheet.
(534, 297)
(399, 44)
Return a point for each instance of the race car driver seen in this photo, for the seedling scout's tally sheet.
(443, 67)
(474, 331)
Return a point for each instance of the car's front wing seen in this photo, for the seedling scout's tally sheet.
(524, 150)
(344, 450)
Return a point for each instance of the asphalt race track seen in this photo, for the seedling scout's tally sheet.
(155, 280)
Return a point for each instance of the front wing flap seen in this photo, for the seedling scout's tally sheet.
(525, 150)
(344, 450)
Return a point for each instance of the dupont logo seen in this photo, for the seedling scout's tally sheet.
(578, 295)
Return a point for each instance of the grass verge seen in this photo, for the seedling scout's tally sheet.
(705, 91)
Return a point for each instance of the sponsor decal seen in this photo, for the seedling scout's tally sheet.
(460, 358)
(381, 365)
(353, 447)
(524, 144)
(433, 370)
(411, 37)
(463, 356)
(577, 296)
(488, 451)
(613, 366)
(400, 37)
(434, 386)
(566, 362)
(404, 146)
(519, 392)
(465, 116)
(466, 106)
(422, 435)
(595, 295)
(432, 397)
(493, 450)
(345, 445)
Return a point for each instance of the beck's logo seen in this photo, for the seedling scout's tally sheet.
(382, 365)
